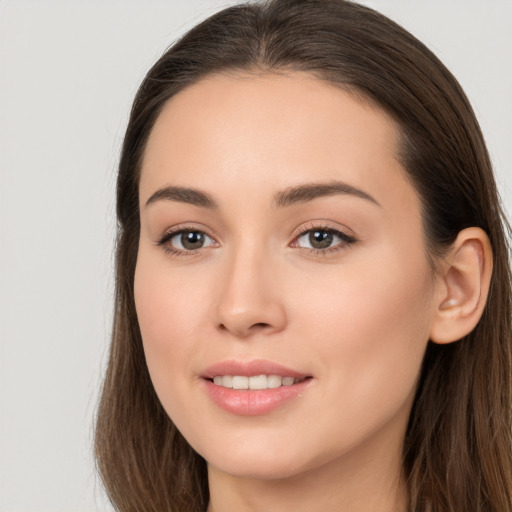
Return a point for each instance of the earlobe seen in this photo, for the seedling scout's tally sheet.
(463, 287)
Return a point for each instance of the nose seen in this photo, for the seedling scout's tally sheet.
(250, 297)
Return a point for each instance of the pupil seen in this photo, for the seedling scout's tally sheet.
(320, 239)
(192, 239)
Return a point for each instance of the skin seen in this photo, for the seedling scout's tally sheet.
(355, 317)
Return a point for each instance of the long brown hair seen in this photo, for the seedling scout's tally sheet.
(458, 448)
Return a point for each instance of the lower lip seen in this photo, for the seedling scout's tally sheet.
(252, 402)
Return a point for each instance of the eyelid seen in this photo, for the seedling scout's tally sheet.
(344, 233)
(322, 225)
(170, 233)
(186, 227)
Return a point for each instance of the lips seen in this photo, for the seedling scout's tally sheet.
(254, 387)
(251, 368)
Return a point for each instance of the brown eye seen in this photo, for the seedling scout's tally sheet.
(320, 239)
(323, 239)
(191, 240)
(186, 240)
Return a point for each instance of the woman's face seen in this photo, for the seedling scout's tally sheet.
(281, 243)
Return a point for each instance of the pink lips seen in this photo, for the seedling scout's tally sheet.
(252, 402)
(248, 368)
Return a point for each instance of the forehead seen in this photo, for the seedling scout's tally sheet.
(271, 131)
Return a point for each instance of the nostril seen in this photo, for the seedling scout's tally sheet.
(261, 325)
(241, 331)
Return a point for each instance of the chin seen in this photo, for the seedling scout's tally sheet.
(258, 470)
(259, 460)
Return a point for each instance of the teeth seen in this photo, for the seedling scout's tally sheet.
(274, 381)
(240, 382)
(254, 382)
(259, 382)
(288, 381)
(227, 381)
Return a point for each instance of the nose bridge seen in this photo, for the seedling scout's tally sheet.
(249, 296)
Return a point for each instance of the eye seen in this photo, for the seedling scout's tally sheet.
(323, 240)
(185, 241)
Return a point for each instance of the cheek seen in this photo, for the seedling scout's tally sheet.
(169, 313)
(171, 302)
(389, 335)
(371, 298)
(163, 312)
(370, 331)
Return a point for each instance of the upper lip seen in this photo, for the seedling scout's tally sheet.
(250, 368)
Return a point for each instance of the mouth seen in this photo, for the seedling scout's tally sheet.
(256, 387)
(256, 382)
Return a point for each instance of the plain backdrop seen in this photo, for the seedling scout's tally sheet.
(68, 73)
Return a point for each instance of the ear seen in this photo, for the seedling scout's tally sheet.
(463, 286)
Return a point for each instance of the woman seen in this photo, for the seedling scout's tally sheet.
(313, 287)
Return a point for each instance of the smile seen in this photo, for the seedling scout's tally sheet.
(251, 388)
(254, 382)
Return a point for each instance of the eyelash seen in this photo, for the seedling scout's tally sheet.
(169, 235)
(346, 241)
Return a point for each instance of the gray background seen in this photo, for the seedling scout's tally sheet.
(68, 72)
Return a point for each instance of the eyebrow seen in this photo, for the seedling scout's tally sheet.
(308, 192)
(283, 199)
(183, 195)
